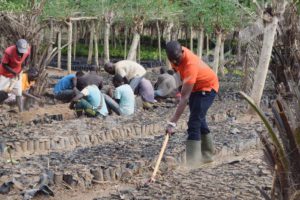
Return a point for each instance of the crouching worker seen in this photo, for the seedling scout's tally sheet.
(65, 89)
(28, 81)
(133, 74)
(90, 102)
(167, 84)
(123, 97)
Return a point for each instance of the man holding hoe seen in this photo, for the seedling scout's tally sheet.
(199, 87)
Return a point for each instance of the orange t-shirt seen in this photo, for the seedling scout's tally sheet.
(194, 71)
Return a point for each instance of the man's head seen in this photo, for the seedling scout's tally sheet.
(171, 72)
(79, 74)
(22, 46)
(93, 69)
(32, 74)
(109, 68)
(163, 70)
(118, 80)
(174, 52)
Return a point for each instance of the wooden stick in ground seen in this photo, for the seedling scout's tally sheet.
(163, 148)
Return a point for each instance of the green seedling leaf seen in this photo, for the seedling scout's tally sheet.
(271, 132)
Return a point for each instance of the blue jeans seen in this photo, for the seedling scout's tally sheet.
(199, 104)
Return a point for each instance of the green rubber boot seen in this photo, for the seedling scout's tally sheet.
(207, 148)
(193, 153)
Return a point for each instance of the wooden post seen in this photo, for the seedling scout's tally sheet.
(96, 45)
(75, 40)
(51, 35)
(125, 42)
(191, 39)
(69, 23)
(200, 42)
(207, 45)
(159, 42)
(90, 55)
(139, 51)
(59, 50)
(168, 38)
(106, 41)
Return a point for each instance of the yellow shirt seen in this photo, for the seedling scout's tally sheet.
(25, 83)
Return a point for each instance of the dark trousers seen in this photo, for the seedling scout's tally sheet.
(65, 96)
(199, 104)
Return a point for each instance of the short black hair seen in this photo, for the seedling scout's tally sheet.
(33, 72)
(171, 72)
(93, 68)
(163, 69)
(118, 78)
(173, 48)
(79, 73)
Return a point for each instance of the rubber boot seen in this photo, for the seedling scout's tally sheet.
(207, 148)
(193, 153)
(20, 103)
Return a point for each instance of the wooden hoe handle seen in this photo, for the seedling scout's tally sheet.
(163, 148)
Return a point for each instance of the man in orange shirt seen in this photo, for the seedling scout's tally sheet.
(199, 87)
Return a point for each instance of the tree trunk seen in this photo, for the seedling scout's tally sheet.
(159, 42)
(59, 50)
(175, 33)
(133, 47)
(90, 55)
(125, 42)
(51, 35)
(106, 42)
(113, 36)
(222, 60)
(75, 40)
(191, 39)
(138, 29)
(2, 45)
(96, 30)
(264, 59)
(139, 52)
(207, 45)
(180, 33)
(69, 47)
(168, 39)
(200, 42)
(217, 52)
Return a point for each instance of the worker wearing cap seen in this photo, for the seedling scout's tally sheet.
(10, 70)
(199, 87)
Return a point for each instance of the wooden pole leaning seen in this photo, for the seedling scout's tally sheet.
(163, 148)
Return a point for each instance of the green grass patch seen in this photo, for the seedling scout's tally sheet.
(147, 52)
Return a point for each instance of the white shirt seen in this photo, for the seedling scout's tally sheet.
(129, 69)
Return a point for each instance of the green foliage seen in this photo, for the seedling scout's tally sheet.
(12, 5)
(220, 15)
(166, 10)
(147, 53)
(59, 9)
